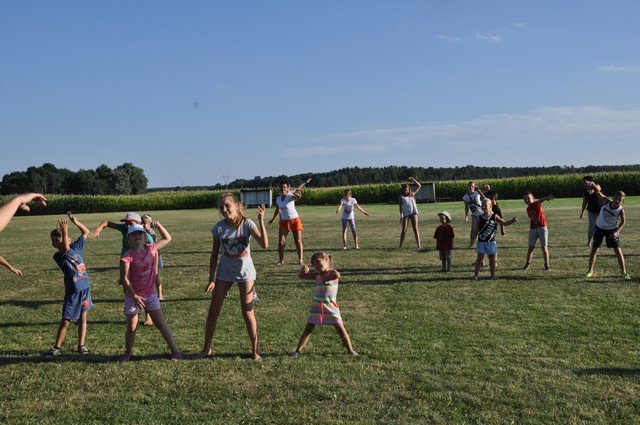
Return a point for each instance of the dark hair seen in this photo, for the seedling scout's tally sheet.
(403, 186)
(56, 233)
(284, 182)
(491, 194)
(587, 178)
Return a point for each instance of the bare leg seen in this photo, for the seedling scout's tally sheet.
(304, 338)
(492, 265)
(161, 324)
(62, 332)
(618, 252)
(592, 258)
(130, 334)
(297, 239)
(345, 336)
(545, 255)
(530, 254)
(355, 239)
(479, 261)
(473, 235)
(416, 232)
(82, 329)
(149, 320)
(282, 242)
(344, 238)
(246, 303)
(403, 230)
(217, 300)
(159, 287)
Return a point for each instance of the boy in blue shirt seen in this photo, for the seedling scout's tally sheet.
(77, 294)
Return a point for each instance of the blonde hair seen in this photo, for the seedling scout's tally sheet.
(241, 206)
(322, 254)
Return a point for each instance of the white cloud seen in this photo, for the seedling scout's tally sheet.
(448, 38)
(496, 38)
(573, 128)
(619, 68)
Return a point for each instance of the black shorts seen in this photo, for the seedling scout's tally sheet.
(599, 234)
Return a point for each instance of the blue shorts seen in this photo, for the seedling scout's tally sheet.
(489, 248)
(76, 303)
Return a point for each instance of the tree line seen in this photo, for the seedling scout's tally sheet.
(354, 176)
(125, 179)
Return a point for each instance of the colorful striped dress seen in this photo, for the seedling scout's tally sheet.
(324, 307)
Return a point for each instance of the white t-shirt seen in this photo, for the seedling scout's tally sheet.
(608, 217)
(409, 206)
(287, 207)
(235, 264)
(347, 208)
(474, 203)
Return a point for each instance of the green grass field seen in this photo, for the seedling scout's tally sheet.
(529, 347)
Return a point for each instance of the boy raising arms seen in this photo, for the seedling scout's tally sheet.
(538, 228)
(77, 294)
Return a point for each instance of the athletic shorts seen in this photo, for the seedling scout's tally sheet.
(489, 248)
(76, 303)
(541, 233)
(294, 224)
(152, 303)
(351, 222)
(600, 234)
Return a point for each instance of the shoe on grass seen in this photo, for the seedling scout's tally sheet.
(175, 356)
(626, 276)
(353, 353)
(83, 350)
(589, 274)
(295, 354)
(125, 357)
(52, 352)
(526, 266)
(547, 267)
(475, 278)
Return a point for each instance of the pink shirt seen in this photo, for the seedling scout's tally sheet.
(142, 269)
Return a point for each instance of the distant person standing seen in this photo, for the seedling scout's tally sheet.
(591, 203)
(409, 210)
(289, 220)
(473, 204)
(444, 236)
(537, 228)
(347, 203)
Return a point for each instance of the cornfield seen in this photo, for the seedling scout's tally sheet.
(564, 186)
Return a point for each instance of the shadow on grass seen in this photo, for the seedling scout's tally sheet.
(31, 357)
(623, 372)
(55, 324)
(35, 305)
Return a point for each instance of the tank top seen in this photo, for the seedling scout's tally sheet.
(608, 217)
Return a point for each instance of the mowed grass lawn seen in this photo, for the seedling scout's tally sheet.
(531, 346)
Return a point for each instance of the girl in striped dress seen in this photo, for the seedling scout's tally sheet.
(324, 308)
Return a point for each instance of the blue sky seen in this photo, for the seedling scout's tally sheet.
(200, 92)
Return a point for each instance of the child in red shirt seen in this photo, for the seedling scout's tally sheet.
(444, 235)
(537, 228)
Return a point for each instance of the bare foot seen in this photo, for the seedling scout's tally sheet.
(203, 355)
(257, 357)
(280, 263)
(148, 322)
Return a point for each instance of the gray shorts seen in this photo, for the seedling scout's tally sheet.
(539, 233)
